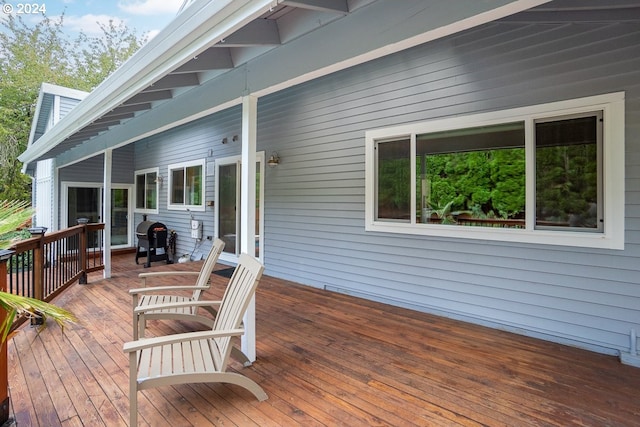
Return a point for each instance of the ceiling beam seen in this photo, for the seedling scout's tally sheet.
(260, 32)
(145, 97)
(210, 59)
(321, 5)
(129, 109)
(172, 81)
(113, 118)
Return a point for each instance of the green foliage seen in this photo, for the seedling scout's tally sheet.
(487, 183)
(33, 53)
(14, 214)
(567, 184)
(394, 177)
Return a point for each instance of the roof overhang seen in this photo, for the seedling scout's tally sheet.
(234, 48)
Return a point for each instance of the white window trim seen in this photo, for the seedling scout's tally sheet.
(135, 196)
(183, 165)
(612, 106)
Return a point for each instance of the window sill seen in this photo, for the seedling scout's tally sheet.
(612, 240)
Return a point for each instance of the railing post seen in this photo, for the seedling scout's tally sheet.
(84, 238)
(38, 270)
(4, 367)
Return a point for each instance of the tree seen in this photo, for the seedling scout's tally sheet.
(31, 54)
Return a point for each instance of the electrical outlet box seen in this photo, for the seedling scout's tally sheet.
(196, 229)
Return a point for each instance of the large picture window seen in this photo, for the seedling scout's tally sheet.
(146, 182)
(533, 174)
(186, 186)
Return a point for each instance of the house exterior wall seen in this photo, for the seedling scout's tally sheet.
(201, 139)
(92, 171)
(43, 197)
(314, 200)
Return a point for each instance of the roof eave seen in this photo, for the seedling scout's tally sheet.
(204, 22)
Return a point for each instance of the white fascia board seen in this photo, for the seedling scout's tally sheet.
(326, 50)
(66, 92)
(55, 90)
(199, 26)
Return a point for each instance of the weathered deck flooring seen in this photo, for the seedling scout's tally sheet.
(323, 359)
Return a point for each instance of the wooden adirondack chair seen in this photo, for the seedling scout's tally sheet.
(157, 296)
(197, 357)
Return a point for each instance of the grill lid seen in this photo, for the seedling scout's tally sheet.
(145, 228)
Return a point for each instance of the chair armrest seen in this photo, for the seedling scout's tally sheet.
(143, 343)
(154, 307)
(145, 276)
(168, 273)
(166, 288)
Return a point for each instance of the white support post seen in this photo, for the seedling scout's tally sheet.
(106, 214)
(248, 210)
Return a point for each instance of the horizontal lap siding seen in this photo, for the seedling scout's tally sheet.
(92, 169)
(66, 105)
(192, 141)
(315, 198)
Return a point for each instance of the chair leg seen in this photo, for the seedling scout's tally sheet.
(133, 389)
(239, 356)
(245, 382)
(141, 324)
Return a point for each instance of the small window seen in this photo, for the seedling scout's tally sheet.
(394, 178)
(186, 186)
(568, 173)
(146, 182)
(535, 174)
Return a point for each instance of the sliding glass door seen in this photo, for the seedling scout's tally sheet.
(83, 200)
(228, 205)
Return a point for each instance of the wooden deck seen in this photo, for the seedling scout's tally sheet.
(324, 359)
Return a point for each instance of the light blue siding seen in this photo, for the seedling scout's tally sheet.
(92, 170)
(66, 105)
(192, 141)
(315, 198)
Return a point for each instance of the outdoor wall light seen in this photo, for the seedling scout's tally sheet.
(274, 160)
(159, 179)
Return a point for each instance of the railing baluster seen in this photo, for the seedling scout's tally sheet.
(42, 266)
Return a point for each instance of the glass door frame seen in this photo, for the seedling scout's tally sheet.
(224, 161)
(64, 205)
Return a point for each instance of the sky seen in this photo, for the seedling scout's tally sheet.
(145, 16)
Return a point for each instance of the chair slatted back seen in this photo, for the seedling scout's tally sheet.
(236, 299)
(207, 268)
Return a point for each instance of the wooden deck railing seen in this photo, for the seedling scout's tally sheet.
(42, 266)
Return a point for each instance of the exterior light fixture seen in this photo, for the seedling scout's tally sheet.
(37, 231)
(274, 160)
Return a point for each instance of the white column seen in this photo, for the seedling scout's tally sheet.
(106, 213)
(248, 210)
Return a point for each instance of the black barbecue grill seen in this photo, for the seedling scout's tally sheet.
(152, 242)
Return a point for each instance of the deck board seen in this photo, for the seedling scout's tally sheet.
(324, 359)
